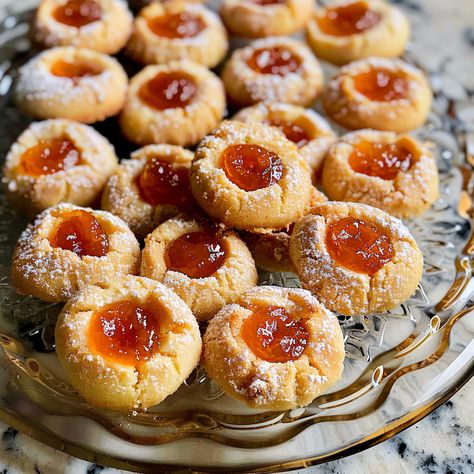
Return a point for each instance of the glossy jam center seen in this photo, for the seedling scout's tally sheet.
(73, 71)
(177, 25)
(78, 13)
(276, 60)
(80, 232)
(251, 167)
(384, 160)
(168, 90)
(48, 157)
(358, 245)
(273, 335)
(292, 131)
(382, 85)
(161, 183)
(197, 254)
(268, 2)
(125, 332)
(348, 19)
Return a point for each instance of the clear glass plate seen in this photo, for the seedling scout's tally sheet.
(400, 365)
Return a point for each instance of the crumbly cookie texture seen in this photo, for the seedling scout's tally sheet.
(387, 38)
(113, 385)
(345, 291)
(353, 110)
(185, 126)
(55, 274)
(107, 35)
(205, 296)
(88, 99)
(245, 87)
(80, 184)
(208, 47)
(409, 194)
(272, 207)
(266, 385)
(249, 19)
(121, 195)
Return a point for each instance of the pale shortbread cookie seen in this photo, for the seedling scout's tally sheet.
(208, 47)
(410, 193)
(144, 125)
(54, 274)
(111, 384)
(88, 99)
(109, 34)
(245, 86)
(250, 19)
(205, 296)
(341, 289)
(387, 38)
(80, 184)
(353, 110)
(272, 207)
(268, 385)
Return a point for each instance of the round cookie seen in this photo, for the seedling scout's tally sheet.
(176, 103)
(101, 25)
(378, 93)
(57, 161)
(274, 69)
(72, 83)
(206, 266)
(178, 30)
(395, 173)
(259, 18)
(68, 247)
(127, 345)
(274, 349)
(349, 30)
(249, 176)
(150, 188)
(355, 258)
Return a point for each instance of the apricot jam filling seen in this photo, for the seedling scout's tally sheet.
(276, 60)
(358, 245)
(48, 157)
(73, 71)
(168, 90)
(272, 334)
(176, 25)
(294, 132)
(251, 167)
(347, 20)
(196, 254)
(80, 232)
(382, 85)
(125, 332)
(161, 183)
(78, 13)
(384, 160)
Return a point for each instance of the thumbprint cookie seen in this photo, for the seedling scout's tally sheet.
(101, 25)
(57, 161)
(248, 176)
(128, 345)
(73, 83)
(273, 69)
(308, 130)
(355, 258)
(150, 188)
(259, 18)
(393, 172)
(205, 265)
(177, 103)
(274, 349)
(178, 30)
(378, 93)
(69, 246)
(348, 30)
